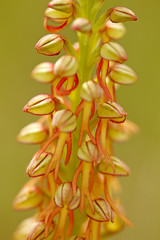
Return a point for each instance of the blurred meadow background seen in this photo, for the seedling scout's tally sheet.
(21, 26)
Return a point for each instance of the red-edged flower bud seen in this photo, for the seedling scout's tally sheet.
(82, 25)
(38, 231)
(121, 14)
(111, 111)
(103, 211)
(121, 169)
(29, 197)
(57, 16)
(43, 72)
(122, 74)
(64, 196)
(33, 133)
(42, 104)
(88, 152)
(65, 120)
(62, 5)
(91, 91)
(50, 45)
(66, 66)
(114, 30)
(38, 167)
(113, 51)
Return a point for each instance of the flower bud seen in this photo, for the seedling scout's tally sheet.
(29, 197)
(43, 72)
(121, 14)
(82, 25)
(114, 52)
(103, 211)
(65, 120)
(112, 111)
(23, 229)
(38, 231)
(114, 30)
(33, 133)
(38, 167)
(122, 132)
(122, 74)
(91, 91)
(62, 5)
(121, 168)
(88, 152)
(42, 104)
(57, 16)
(64, 196)
(66, 66)
(50, 45)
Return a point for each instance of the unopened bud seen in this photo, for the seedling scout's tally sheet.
(122, 132)
(38, 232)
(112, 111)
(114, 30)
(88, 152)
(66, 66)
(29, 197)
(57, 16)
(38, 167)
(121, 14)
(122, 74)
(64, 196)
(91, 91)
(121, 168)
(103, 211)
(82, 25)
(23, 229)
(114, 52)
(62, 5)
(43, 72)
(50, 45)
(65, 120)
(34, 133)
(42, 104)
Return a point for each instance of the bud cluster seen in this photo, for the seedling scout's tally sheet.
(74, 184)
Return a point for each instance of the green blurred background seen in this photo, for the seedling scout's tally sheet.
(21, 27)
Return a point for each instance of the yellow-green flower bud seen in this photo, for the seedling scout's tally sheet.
(38, 231)
(122, 74)
(33, 133)
(121, 168)
(103, 211)
(43, 72)
(122, 132)
(121, 14)
(112, 111)
(65, 120)
(88, 152)
(57, 16)
(64, 196)
(50, 45)
(114, 30)
(113, 51)
(82, 25)
(29, 197)
(23, 229)
(66, 66)
(38, 167)
(91, 91)
(62, 5)
(42, 104)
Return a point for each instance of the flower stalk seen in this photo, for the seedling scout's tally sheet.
(74, 173)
